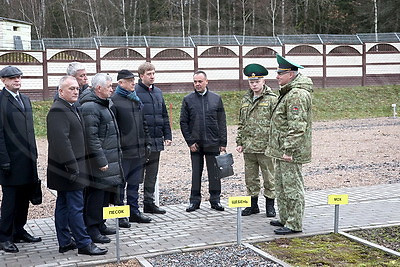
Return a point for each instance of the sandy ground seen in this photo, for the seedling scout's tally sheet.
(346, 153)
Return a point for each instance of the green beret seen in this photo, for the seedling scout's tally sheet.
(255, 71)
(286, 65)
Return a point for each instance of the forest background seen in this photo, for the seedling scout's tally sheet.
(88, 18)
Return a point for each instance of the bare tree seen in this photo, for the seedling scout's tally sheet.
(272, 12)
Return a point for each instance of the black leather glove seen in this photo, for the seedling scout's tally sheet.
(6, 169)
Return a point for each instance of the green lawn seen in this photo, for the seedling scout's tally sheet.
(328, 104)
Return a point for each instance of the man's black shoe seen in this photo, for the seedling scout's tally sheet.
(8, 246)
(100, 239)
(285, 231)
(276, 223)
(70, 246)
(153, 208)
(139, 218)
(124, 223)
(193, 207)
(26, 237)
(104, 230)
(217, 206)
(92, 249)
(250, 210)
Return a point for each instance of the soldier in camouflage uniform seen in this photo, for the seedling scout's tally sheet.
(290, 144)
(252, 139)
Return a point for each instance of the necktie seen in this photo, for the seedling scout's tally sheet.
(20, 102)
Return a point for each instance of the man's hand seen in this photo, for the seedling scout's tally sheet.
(6, 169)
(287, 158)
(194, 147)
(104, 168)
(222, 149)
(167, 142)
(239, 149)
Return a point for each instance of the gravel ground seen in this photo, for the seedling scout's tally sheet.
(346, 153)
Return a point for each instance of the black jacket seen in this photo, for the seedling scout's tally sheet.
(17, 140)
(203, 120)
(66, 169)
(102, 140)
(133, 128)
(156, 115)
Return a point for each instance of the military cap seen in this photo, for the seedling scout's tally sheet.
(255, 71)
(286, 65)
(10, 72)
(125, 74)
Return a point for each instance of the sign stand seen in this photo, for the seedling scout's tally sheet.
(337, 200)
(116, 212)
(239, 202)
(239, 226)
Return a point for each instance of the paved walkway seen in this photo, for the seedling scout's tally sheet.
(179, 230)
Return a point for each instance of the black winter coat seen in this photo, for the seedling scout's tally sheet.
(66, 170)
(156, 115)
(203, 120)
(17, 140)
(133, 128)
(102, 140)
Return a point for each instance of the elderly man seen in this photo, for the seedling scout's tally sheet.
(18, 156)
(252, 139)
(78, 71)
(104, 155)
(66, 171)
(157, 121)
(135, 141)
(290, 144)
(203, 125)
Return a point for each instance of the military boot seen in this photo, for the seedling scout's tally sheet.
(253, 209)
(269, 207)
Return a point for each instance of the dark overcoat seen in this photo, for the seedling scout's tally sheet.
(17, 140)
(66, 170)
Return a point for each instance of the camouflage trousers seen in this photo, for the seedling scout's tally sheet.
(253, 162)
(289, 187)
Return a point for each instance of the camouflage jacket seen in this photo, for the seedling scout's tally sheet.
(290, 131)
(254, 121)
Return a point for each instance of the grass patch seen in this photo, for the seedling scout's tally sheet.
(327, 250)
(388, 237)
(328, 104)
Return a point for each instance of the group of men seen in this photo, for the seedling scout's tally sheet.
(274, 134)
(103, 144)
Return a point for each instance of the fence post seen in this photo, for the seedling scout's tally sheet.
(324, 66)
(364, 65)
(46, 93)
(240, 67)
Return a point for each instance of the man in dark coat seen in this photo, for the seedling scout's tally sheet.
(157, 120)
(66, 170)
(203, 125)
(18, 156)
(78, 71)
(104, 155)
(135, 140)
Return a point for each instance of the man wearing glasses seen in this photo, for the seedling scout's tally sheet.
(290, 144)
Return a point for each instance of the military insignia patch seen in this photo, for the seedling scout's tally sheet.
(295, 109)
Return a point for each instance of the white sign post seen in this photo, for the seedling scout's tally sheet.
(116, 212)
(239, 202)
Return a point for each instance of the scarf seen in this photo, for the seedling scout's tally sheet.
(130, 95)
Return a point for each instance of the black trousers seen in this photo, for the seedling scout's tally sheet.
(14, 211)
(150, 177)
(95, 200)
(214, 183)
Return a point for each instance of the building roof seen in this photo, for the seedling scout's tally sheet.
(15, 20)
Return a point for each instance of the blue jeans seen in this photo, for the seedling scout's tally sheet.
(69, 218)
